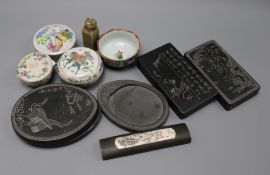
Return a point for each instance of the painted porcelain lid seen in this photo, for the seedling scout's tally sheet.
(34, 68)
(81, 66)
(54, 39)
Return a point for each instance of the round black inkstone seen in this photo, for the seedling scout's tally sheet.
(55, 115)
(133, 105)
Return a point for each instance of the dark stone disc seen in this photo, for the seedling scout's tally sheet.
(73, 138)
(133, 105)
(54, 115)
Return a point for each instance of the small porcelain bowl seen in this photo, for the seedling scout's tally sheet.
(118, 47)
(35, 69)
(80, 66)
(54, 40)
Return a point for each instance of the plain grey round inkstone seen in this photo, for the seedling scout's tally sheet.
(133, 105)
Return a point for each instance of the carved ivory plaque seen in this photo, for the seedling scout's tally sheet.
(145, 138)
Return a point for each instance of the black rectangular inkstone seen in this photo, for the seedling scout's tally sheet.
(139, 142)
(233, 83)
(182, 84)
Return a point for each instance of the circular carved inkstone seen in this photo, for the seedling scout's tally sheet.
(55, 115)
(133, 105)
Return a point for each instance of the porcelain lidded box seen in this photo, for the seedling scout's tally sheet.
(54, 39)
(35, 69)
(118, 47)
(80, 66)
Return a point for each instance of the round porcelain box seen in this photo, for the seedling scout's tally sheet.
(80, 66)
(35, 69)
(118, 47)
(54, 39)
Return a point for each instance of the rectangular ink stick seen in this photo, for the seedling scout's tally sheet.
(233, 84)
(139, 142)
(177, 78)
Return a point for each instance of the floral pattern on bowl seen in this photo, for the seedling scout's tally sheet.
(118, 47)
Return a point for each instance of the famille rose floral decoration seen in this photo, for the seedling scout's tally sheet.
(54, 39)
(80, 66)
(35, 69)
(119, 55)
